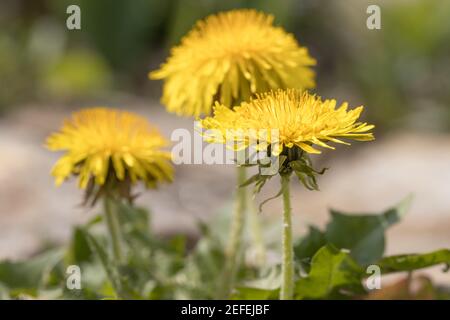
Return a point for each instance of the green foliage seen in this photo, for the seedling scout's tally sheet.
(363, 235)
(331, 270)
(250, 293)
(30, 275)
(80, 73)
(306, 248)
(410, 262)
(330, 264)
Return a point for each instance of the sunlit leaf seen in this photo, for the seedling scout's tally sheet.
(333, 272)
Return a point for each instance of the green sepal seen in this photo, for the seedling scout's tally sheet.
(305, 172)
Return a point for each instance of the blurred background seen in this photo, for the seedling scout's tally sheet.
(400, 73)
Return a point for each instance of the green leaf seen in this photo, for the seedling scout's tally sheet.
(248, 293)
(79, 250)
(109, 266)
(133, 217)
(177, 244)
(4, 292)
(363, 235)
(250, 180)
(307, 246)
(200, 276)
(409, 262)
(94, 221)
(332, 271)
(30, 274)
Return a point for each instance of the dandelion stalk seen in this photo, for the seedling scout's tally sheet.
(234, 246)
(287, 265)
(113, 225)
(256, 232)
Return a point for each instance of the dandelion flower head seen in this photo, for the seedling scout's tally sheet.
(301, 120)
(228, 57)
(103, 145)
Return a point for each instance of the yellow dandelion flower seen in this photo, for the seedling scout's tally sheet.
(229, 57)
(104, 145)
(300, 119)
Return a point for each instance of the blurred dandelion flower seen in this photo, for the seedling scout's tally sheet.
(110, 150)
(229, 57)
(300, 118)
(106, 146)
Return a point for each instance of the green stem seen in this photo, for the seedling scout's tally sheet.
(256, 232)
(113, 227)
(233, 249)
(287, 266)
